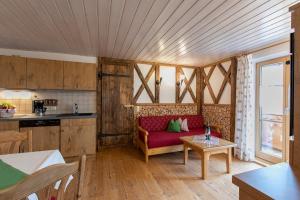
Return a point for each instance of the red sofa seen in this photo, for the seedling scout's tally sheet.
(154, 138)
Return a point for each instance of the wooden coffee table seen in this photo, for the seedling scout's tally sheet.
(205, 149)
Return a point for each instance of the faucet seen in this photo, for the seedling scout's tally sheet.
(75, 108)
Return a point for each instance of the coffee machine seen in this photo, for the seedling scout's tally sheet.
(38, 107)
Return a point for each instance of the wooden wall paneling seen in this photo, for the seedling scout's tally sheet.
(99, 101)
(199, 90)
(157, 86)
(144, 84)
(188, 86)
(233, 69)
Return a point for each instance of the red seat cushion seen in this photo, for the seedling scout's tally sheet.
(160, 123)
(164, 138)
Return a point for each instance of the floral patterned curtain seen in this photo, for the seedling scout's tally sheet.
(245, 109)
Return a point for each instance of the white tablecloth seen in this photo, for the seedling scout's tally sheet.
(34, 161)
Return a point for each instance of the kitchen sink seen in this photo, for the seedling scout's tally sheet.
(74, 114)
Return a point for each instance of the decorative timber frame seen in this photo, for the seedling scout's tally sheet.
(155, 96)
(144, 84)
(229, 78)
(179, 72)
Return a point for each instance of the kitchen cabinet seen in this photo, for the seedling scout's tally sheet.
(78, 136)
(13, 72)
(9, 125)
(44, 138)
(44, 74)
(79, 76)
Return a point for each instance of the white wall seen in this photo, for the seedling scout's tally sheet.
(167, 92)
(277, 51)
(48, 55)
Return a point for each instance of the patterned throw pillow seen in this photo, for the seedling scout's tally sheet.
(184, 126)
(174, 126)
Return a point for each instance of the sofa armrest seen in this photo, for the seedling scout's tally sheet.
(144, 133)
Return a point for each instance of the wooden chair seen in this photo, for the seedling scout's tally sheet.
(11, 141)
(43, 181)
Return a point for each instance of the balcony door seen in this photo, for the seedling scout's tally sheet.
(272, 118)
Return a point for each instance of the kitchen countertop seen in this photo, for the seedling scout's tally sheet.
(48, 116)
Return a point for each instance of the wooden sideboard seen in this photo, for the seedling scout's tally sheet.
(280, 181)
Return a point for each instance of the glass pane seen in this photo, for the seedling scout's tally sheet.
(271, 99)
(272, 137)
(272, 74)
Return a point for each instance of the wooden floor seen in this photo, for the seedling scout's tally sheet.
(121, 173)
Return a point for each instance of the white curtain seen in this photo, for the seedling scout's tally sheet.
(245, 109)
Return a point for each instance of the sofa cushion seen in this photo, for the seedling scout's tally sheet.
(194, 121)
(164, 138)
(174, 126)
(184, 125)
(160, 123)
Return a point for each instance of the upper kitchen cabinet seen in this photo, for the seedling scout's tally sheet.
(44, 74)
(13, 72)
(79, 76)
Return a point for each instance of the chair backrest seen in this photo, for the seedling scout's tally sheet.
(43, 181)
(11, 141)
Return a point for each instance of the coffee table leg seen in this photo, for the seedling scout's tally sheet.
(204, 162)
(228, 160)
(186, 153)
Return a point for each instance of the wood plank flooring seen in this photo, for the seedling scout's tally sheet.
(121, 173)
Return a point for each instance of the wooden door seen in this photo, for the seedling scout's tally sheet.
(116, 126)
(44, 74)
(44, 138)
(12, 72)
(79, 76)
(78, 136)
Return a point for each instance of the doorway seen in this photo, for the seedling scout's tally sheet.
(272, 109)
(115, 110)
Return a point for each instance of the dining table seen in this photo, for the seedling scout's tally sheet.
(15, 167)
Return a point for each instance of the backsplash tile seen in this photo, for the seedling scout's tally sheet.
(22, 99)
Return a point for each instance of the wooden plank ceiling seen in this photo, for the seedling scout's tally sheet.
(190, 32)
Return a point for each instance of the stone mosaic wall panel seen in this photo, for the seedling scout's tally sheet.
(218, 115)
(158, 110)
